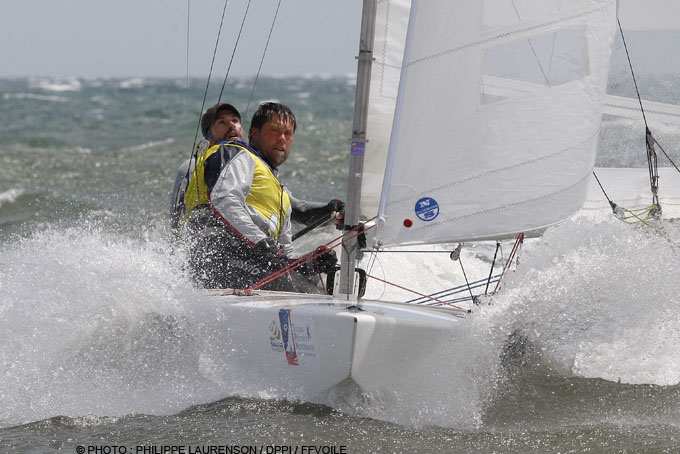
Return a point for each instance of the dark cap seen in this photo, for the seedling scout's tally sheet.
(212, 113)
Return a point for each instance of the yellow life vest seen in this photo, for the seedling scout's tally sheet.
(266, 195)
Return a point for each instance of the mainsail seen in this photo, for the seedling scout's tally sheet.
(500, 115)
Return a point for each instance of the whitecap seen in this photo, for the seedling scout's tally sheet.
(152, 144)
(37, 97)
(59, 85)
(10, 196)
(132, 83)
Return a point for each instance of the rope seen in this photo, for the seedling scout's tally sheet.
(651, 216)
(257, 76)
(413, 291)
(518, 242)
(344, 238)
(454, 290)
(636, 216)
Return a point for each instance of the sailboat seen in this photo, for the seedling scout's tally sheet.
(474, 120)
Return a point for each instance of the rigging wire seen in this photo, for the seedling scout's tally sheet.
(455, 290)
(231, 60)
(207, 84)
(455, 256)
(630, 64)
(649, 139)
(417, 293)
(266, 46)
(653, 211)
(194, 148)
(186, 97)
(493, 263)
(518, 243)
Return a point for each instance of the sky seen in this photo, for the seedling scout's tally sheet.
(148, 38)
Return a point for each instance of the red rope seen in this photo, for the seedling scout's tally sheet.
(344, 238)
(413, 291)
(519, 240)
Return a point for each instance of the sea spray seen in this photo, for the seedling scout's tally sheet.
(93, 322)
(600, 300)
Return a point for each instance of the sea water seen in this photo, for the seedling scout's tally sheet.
(101, 349)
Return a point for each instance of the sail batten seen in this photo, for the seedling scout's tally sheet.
(499, 117)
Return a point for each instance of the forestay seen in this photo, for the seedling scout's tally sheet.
(501, 110)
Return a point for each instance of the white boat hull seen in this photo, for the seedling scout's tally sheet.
(295, 345)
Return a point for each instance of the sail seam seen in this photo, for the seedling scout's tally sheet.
(507, 34)
(658, 112)
(511, 205)
(383, 65)
(384, 48)
(499, 170)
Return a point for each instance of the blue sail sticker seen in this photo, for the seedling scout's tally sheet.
(358, 148)
(427, 209)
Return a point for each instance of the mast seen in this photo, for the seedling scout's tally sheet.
(356, 164)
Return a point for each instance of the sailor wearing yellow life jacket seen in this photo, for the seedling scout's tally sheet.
(237, 208)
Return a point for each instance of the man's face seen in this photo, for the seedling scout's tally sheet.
(227, 126)
(273, 140)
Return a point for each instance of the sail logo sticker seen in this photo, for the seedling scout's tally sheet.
(358, 148)
(427, 209)
(288, 337)
(275, 337)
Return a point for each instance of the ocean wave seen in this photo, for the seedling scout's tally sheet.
(10, 196)
(58, 85)
(132, 83)
(35, 96)
(152, 144)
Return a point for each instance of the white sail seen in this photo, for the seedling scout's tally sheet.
(470, 164)
(388, 50)
(649, 14)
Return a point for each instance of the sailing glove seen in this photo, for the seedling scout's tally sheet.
(325, 260)
(269, 255)
(337, 206)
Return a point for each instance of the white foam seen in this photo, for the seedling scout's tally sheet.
(10, 196)
(132, 83)
(156, 143)
(597, 300)
(94, 323)
(37, 97)
(56, 84)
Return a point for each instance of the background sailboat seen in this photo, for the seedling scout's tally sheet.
(628, 184)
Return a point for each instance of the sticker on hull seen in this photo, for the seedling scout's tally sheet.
(295, 341)
(288, 337)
